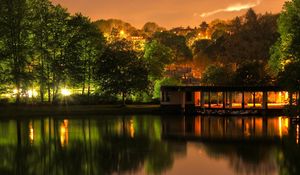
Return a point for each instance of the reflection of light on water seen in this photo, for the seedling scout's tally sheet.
(283, 124)
(31, 135)
(297, 134)
(280, 126)
(131, 129)
(64, 135)
(247, 129)
(197, 126)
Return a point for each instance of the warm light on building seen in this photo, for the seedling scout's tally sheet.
(297, 134)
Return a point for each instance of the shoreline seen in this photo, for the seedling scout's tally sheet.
(11, 111)
(77, 111)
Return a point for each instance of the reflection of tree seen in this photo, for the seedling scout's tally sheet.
(160, 159)
(289, 158)
(254, 158)
(121, 154)
(93, 147)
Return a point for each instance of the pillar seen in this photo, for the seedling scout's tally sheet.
(230, 100)
(183, 101)
(243, 100)
(298, 101)
(209, 101)
(254, 100)
(202, 99)
(162, 96)
(291, 98)
(224, 100)
(265, 100)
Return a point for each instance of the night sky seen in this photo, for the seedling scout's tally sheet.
(168, 13)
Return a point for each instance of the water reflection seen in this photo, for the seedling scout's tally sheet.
(150, 145)
(225, 127)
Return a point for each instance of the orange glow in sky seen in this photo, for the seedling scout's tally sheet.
(168, 13)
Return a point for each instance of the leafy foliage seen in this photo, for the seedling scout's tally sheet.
(120, 71)
(214, 75)
(286, 50)
(157, 56)
(181, 51)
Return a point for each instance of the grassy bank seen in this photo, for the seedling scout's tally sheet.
(77, 110)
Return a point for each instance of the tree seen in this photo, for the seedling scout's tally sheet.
(164, 82)
(120, 71)
(217, 29)
(249, 74)
(151, 27)
(40, 18)
(180, 50)
(290, 77)
(214, 75)
(287, 48)
(157, 56)
(250, 38)
(201, 46)
(86, 44)
(15, 41)
(107, 26)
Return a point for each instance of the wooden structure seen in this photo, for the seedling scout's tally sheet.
(225, 97)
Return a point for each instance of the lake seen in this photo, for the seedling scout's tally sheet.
(149, 145)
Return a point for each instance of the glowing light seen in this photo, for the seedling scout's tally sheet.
(286, 96)
(280, 126)
(32, 93)
(297, 135)
(65, 92)
(15, 91)
(122, 32)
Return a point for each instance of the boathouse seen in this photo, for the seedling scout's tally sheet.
(225, 97)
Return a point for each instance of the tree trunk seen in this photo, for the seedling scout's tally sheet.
(89, 76)
(48, 84)
(298, 98)
(18, 93)
(291, 98)
(124, 98)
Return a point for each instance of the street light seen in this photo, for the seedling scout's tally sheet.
(65, 92)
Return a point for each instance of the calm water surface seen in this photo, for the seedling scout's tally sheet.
(150, 145)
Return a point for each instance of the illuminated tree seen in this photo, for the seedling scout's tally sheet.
(14, 36)
(120, 71)
(40, 18)
(214, 76)
(181, 51)
(287, 48)
(151, 27)
(157, 56)
(86, 44)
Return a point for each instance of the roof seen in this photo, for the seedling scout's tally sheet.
(223, 88)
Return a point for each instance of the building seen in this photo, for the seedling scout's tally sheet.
(227, 98)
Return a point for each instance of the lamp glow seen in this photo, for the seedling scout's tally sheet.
(15, 91)
(65, 92)
(32, 93)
